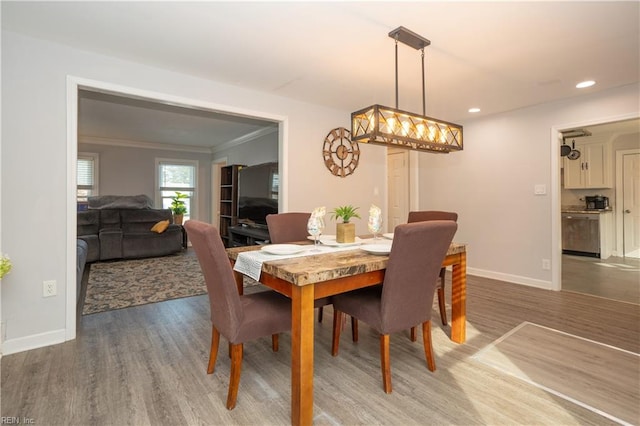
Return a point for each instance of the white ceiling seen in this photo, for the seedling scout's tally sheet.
(497, 56)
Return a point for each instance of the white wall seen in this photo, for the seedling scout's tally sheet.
(34, 118)
(491, 183)
(260, 150)
(129, 170)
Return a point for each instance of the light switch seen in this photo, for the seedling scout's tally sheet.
(540, 189)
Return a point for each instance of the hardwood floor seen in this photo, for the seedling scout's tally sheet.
(147, 366)
(615, 278)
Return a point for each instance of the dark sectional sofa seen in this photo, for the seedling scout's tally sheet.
(126, 234)
(107, 232)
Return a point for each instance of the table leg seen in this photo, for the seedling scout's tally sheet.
(239, 277)
(459, 299)
(302, 355)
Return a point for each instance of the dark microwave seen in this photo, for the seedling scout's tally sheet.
(597, 202)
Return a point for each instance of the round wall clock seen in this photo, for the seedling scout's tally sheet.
(341, 154)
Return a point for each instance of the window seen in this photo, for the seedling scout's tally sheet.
(87, 176)
(177, 175)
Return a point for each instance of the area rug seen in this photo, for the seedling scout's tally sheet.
(599, 377)
(125, 283)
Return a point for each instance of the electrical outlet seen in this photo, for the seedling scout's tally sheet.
(49, 288)
(546, 264)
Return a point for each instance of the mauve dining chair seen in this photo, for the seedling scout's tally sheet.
(288, 228)
(416, 256)
(423, 216)
(239, 318)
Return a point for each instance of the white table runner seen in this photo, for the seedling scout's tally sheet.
(250, 262)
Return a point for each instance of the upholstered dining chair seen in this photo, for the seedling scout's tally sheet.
(288, 227)
(239, 318)
(423, 216)
(405, 297)
(291, 227)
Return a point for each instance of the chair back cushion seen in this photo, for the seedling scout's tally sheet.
(226, 308)
(287, 227)
(425, 215)
(415, 260)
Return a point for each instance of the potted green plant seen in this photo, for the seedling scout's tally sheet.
(345, 231)
(178, 207)
(5, 265)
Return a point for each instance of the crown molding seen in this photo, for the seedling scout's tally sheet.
(244, 139)
(95, 140)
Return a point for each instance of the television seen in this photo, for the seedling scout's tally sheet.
(257, 193)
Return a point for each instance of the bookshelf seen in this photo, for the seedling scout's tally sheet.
(228, 200)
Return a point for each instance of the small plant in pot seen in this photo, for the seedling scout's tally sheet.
(345, 231)
(178, 207)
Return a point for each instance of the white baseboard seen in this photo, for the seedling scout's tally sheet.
(35, 341)
(516, 279)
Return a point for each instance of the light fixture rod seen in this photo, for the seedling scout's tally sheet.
(424, 96)
(396, 71)
(416, 41)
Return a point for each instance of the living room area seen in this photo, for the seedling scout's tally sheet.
(134, 155)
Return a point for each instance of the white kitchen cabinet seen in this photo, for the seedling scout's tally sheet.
(592, 169)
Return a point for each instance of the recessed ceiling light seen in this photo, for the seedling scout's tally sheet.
(474, 109)
(584, 84)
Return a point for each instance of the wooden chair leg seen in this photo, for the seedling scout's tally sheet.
(320, 309)
(354, 329)
(428, 348)
(275, 342)
(414, 334)
(385, 362)
(337, 325)
(213, 352)
(441, 298)
(234, 380)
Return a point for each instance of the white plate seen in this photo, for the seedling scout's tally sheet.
(330, 240)
(377, 248)
(388, 235)
(283, 248)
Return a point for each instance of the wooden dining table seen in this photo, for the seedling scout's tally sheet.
(304, 279)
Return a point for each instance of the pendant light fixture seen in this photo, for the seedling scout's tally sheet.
(388, 126)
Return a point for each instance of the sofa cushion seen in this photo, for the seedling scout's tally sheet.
(141, 221)
(93, 246)
(82, 249)
(149, 244)
(120, 202)
(110, 243)
(109, 218)
(88, 222)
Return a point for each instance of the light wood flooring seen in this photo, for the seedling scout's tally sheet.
(146, 366)
(615, 278)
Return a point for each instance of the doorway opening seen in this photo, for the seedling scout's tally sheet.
(610, 272)
(74, 87)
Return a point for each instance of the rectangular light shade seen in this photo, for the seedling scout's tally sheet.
(387, 126)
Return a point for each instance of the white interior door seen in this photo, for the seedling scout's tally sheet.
(631, 204)
(397, 187)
